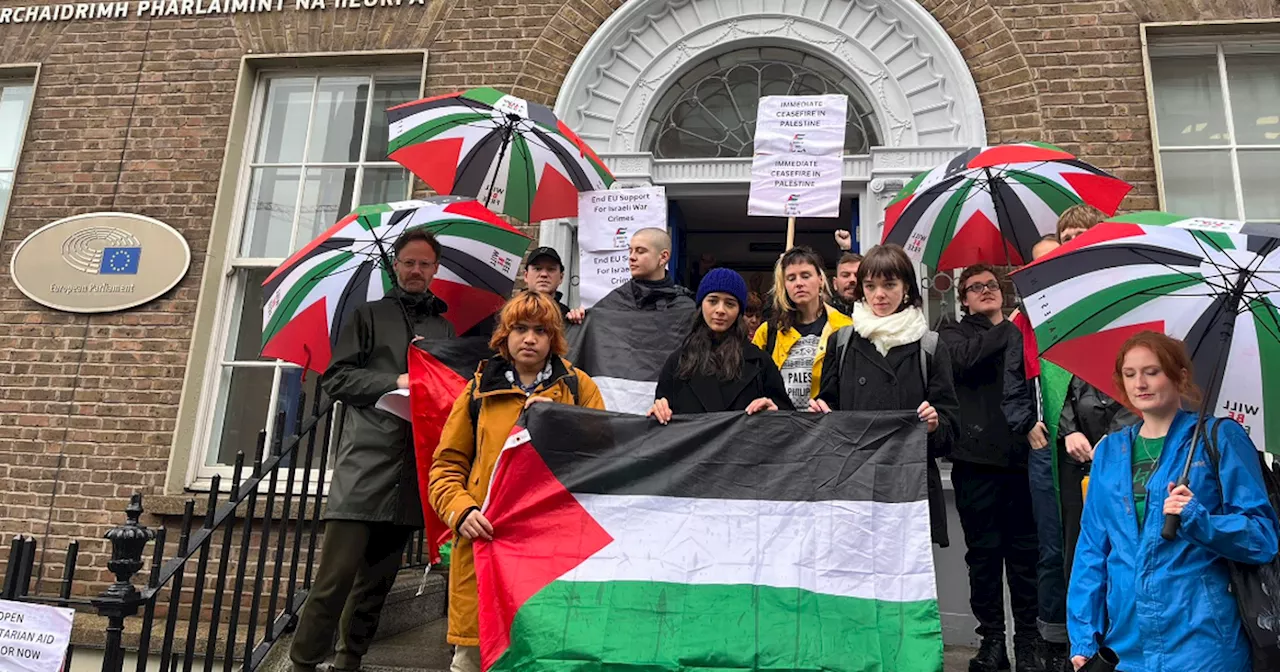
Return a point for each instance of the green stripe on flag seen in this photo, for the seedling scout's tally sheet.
(387, 282)
(430, 129)
(944, 227)
(521, 178)
(299, 291)
(656, 627)
(1095, 312)
(1148, 218)
(910, 187)
(1057, 196)
(1268, 328)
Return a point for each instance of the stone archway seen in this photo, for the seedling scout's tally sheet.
(917, 79)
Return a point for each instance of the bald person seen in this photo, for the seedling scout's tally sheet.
(650, 284)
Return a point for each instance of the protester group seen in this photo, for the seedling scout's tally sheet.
(1070, 527)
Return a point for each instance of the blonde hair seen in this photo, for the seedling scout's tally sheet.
(783, 310)
(1083, 216)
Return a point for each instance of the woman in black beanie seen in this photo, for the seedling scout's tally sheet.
(717, 368)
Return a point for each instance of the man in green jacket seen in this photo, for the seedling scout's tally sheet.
(373, 505)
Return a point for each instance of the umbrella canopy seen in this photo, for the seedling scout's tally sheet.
(1213, 284)
(514, 156)
(992, 205)
(308, 298)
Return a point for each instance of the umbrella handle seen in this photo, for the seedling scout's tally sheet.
(1172, 520)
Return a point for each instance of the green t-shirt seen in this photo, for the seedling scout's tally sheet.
(1146, 453)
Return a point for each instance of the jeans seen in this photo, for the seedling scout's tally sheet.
(1051, 576)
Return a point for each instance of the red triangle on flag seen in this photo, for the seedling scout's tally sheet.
(435, 161)
(540, 533)
(304, 340)
(978, 241)
(1092, 357)
(892, 213)
(556, 197)
(433, 387)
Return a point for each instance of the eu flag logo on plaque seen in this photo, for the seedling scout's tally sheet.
(120, 260)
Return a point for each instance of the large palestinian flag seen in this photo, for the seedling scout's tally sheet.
(781, 541)
(439, 371)
(623, 347)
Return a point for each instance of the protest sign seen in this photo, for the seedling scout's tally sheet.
(33, 637)
(799, 156)
(606, 222)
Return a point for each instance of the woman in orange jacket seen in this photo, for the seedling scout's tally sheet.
(529, 368)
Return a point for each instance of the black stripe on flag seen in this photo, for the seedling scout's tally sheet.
(1076, 263)
(631, 344)
(777, 456)
(906, 224)
(462, 355)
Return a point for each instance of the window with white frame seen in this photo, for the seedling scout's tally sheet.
(1217, 126)
(15, 105)
(317, 148)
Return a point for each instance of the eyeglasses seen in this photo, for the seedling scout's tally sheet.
(977, 287)
(413, 263)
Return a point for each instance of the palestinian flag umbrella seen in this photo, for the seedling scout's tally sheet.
(439, 371)
(992, 205)
(308, 298)
(513, 155)
(1213, 284)
(780, 541)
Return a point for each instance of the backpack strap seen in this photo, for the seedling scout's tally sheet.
(843, 336)
(770, 339)
(571, 381)
(928, 346)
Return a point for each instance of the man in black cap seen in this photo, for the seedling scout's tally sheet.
(543, 273)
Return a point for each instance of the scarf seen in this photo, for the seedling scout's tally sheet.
(886, 333)
(540, 379)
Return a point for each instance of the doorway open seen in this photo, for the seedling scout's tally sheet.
(716, 231)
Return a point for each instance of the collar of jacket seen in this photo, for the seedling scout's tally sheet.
(493, 379)
(648, 293)
(1180, 431)
(425, 304)
(978, 320)
(715, 393)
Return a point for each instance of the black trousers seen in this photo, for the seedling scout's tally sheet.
(1000, 532)
(358, 565)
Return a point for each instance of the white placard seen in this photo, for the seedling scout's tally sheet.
(799, 156)
(33, 637)
(789, 185)
(396, 402)
(813, 125)
(600, 273)
(607, 219)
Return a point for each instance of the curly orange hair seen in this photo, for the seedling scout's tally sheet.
(529, 308)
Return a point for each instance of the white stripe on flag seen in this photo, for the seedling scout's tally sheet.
(870, 550)
(626, 396)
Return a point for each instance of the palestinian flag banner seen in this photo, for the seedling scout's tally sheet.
(780, 541)
(623, 347)
(439, 371)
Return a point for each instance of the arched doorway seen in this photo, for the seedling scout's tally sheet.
(656, 92)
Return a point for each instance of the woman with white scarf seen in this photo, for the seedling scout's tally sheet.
(880, 368)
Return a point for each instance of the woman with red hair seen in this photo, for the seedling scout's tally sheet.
(529, 368)
(1167, 605)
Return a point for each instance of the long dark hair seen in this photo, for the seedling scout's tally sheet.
(706, 353)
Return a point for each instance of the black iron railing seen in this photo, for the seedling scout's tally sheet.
(256, 595)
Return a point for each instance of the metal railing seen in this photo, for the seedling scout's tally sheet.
(257, 600)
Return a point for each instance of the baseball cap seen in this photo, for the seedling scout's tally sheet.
(545, 252)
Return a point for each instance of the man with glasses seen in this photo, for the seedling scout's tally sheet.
(990, 470)
(373, 505)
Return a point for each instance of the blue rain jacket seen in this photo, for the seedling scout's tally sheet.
(1166, 605)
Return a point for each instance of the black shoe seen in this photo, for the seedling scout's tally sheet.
(993, 656)
(1053, 657)
(1026, 654)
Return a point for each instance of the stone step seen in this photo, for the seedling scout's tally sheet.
(422, 649)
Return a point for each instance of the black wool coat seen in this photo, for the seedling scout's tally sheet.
(869, 381)
(705, 394)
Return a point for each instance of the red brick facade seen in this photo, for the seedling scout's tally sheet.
(133, 115)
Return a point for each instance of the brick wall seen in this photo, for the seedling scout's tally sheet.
(132, 115)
